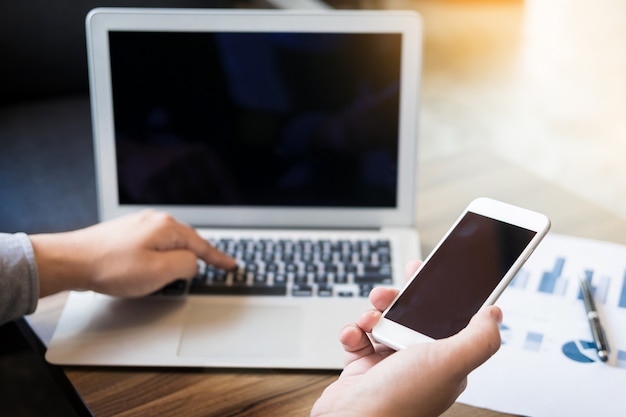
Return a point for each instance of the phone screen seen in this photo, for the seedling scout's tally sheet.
(460, 276)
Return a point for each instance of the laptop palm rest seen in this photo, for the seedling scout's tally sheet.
(240, 331)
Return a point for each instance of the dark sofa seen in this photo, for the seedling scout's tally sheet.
(46, 154)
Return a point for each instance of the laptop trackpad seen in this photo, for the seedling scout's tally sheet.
(241, 331)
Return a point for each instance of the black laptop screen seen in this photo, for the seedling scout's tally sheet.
(256, 119)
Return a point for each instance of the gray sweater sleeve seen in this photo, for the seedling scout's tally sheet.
(19, 278)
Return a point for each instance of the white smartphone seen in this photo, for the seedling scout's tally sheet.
(468, 269)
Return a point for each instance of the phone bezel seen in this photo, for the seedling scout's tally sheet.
(397, 336)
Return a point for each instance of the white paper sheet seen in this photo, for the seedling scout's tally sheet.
(547, 365)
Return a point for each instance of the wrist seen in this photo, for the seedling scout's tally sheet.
(62, 262)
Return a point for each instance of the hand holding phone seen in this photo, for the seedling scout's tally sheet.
(468, 269)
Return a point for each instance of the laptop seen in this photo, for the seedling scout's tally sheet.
(286, 138)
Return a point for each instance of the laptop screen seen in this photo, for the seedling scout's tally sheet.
(256, 119)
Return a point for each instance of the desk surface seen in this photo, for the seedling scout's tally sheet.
(446, 185)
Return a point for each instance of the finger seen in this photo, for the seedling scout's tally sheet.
(355, 343)
(203, 249)
(410, 268)
(381, 297)
(212, 256)
(368, 320)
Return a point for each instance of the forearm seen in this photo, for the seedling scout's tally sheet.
(132, 256)
(63, 261)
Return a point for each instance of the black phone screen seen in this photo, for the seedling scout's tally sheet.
(460, 276)
(30, 385)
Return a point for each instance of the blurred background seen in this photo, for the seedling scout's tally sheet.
(541, 83)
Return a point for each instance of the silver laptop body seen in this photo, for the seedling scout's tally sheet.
(252, 126)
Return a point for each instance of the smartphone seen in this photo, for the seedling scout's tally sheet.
(468, 269)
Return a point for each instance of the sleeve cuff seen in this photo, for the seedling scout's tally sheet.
(19, 277)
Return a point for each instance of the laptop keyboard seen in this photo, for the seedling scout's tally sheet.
(298, 268)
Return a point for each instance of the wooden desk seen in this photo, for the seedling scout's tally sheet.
(446, 185)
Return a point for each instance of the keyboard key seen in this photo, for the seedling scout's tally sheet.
(375, 274)
(260, 278)
(321, 278)
(373, 277)
(302, 291)
(364, 290)
(276, 290)
(345, 290)
(341, 278)
(324, 291)
(280, 279)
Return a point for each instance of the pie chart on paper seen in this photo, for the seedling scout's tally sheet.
(582, 351)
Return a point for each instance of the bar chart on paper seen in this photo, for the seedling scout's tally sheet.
(552, 274)
(555, 282)
(547, 344)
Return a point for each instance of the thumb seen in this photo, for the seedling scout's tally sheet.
(480, 340)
